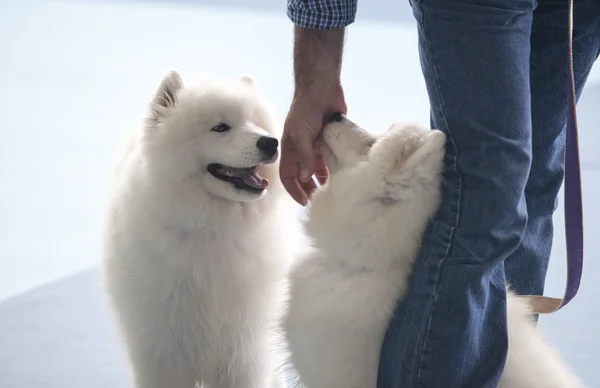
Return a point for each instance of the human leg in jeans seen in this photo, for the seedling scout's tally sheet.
(451, 329)
(526, 267)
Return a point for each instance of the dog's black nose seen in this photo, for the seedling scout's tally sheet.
(268, 145)
(336, 118)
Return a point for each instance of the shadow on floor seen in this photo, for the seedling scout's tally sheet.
(68, 327)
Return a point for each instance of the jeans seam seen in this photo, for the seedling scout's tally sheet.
(420, 354)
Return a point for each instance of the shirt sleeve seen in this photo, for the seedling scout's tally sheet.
(321, 14)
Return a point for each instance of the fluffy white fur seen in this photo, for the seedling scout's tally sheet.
(193, 265)
(366, 224)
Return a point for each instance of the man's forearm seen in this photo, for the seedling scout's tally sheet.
(317, 59)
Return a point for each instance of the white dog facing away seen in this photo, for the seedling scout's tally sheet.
(194, 249)
(366, 225)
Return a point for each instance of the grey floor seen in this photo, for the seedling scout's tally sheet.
(74, 76)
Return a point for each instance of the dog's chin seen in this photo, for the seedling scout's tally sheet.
(227, 191)
(235, 191)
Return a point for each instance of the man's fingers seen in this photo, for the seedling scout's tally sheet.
(322, 176)
(321, 171)
(288, 172)
(295, 190)
(306, 156)
(308, 188)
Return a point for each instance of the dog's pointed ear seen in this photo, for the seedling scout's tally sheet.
(166, 95)
(408, 161)
(433, 144)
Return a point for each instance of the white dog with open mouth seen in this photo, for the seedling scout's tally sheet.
(366, 224)
(195, 246)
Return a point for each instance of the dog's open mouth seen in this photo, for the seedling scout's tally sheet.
(242, 178)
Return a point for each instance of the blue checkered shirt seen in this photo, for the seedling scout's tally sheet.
(321, 14)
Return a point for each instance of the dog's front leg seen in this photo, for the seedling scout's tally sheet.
(153, 371)
(334, 356)
(250, 366)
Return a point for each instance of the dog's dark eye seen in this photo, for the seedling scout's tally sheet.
(221, 128)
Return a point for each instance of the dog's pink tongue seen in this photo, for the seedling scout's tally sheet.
(255, 180)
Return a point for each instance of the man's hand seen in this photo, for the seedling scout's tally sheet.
(300, 157)
(318, 95)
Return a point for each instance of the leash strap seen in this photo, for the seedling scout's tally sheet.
(573, 201)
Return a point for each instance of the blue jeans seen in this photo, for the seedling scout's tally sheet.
(496, 74)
